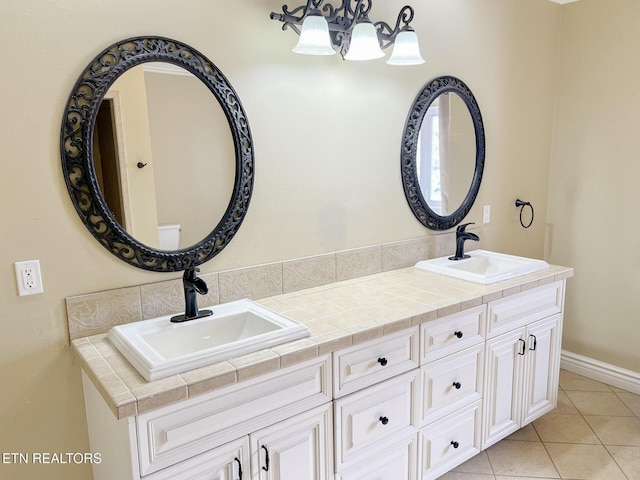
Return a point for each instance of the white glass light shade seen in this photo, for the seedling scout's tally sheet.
(314, 37)
(406, 50)
(364, 43)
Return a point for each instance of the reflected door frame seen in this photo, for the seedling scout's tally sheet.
(117, 160)
(425, 157)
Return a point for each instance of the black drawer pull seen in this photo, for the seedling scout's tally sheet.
(458, 334)
(524, 345)
(266, 459)
(535, 343)
(455, 444)
(384, 420)
(239, 468)
(383, 361)
(458, 385)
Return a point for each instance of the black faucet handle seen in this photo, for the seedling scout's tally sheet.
(190, 273)
(461, 228)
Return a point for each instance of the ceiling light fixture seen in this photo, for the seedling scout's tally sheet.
(325, 30)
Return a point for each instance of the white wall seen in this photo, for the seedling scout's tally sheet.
(593, 195)
(327, 137)
(189, 133)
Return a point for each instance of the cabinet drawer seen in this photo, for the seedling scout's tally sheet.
(452, 333)
(450, 441)
(372, 362)
(398, 463)
(373, 418)
(451, 383)
(522, 308)
(176, 432)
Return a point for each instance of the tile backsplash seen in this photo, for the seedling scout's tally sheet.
(96, 313)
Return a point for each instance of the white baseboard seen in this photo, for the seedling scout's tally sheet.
(603, 372)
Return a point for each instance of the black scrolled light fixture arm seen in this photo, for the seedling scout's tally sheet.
(290, 19)
(387, 34)
(342, 19)
(339, 19)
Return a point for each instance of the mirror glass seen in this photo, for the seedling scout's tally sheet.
(157, 154)
(163, 155)
(443, 153)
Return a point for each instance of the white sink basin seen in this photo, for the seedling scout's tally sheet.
(484, 267)
(158, 348)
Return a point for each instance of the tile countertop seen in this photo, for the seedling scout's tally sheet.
(338, 315)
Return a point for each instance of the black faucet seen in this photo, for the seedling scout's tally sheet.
(461, 236)
(192, 285)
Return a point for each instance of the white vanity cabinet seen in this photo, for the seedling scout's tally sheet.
(299, 447)
(407, 405)
(376, 409)
(522, 360)
(287, 412)
(452, 358)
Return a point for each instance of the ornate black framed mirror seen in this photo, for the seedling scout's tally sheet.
(88, 184)
(443, 153)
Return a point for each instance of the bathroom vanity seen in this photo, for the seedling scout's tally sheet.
(405, 374)
(415, 374)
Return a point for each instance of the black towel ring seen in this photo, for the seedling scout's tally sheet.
(522, 204)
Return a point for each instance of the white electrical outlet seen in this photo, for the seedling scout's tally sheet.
(486, 214)
(28, 277)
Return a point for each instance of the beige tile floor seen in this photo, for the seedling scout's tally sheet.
(594, 434)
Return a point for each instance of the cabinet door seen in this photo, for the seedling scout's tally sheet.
(503, 374)
(299, 448)
(542, 366)
(227, 462)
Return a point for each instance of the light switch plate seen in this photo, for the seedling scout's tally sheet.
(486, 214)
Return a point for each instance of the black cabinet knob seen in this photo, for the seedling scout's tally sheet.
(384, 420)
(458, 385)
(455, 444)
(458, 334)
(382, 361)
